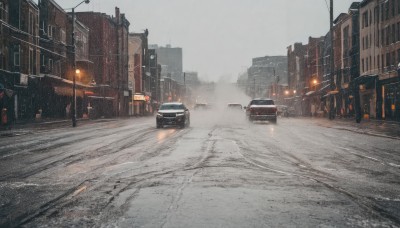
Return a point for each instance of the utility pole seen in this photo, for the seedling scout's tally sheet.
(254, 90)
(184, 85)
(332, 82)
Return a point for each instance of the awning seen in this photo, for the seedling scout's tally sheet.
(363, 79)
(104, 98)
(67, 91)
(309, 93)
(324, 88)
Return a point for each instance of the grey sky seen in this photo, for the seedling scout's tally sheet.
(220, 37)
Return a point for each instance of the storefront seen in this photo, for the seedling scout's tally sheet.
(391, 101)
(365, 96)
(139, 102)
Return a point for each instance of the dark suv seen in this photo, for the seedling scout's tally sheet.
(173, 114)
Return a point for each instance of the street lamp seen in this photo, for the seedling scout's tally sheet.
(76, 71)
(315, 82)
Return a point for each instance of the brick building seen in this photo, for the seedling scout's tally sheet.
(108, 50)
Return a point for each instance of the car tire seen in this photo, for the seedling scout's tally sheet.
(159, 126)
(188, 123)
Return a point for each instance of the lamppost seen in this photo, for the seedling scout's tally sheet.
(76, 71)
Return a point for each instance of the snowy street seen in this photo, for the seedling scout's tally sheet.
(221, 171)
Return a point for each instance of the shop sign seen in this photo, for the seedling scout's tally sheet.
(139, 97)
(23, 80)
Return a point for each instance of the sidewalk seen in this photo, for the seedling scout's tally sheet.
(25, 126)
(380, 128)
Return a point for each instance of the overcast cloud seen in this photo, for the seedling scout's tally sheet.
(220, 37)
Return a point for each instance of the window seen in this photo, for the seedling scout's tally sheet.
(366, 61)
(362, 65)
(398, 55)
(31, 61)
(387, 59)
(31, 28)
(50, 64)
(393, 8)
(386, 10)
(398, 6)
(17, 56)
(363, 44)
(370, 63)
(1, 11)
(42, 59)
(393, 58)
(393, 33)
(398, 31)
(366, 42)
(387, 35)
(49, 31)
(365, 19)
(370, 17)
(63, 37)
(379, 65)
(370, 40)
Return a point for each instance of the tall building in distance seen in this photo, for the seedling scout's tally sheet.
(171, 60)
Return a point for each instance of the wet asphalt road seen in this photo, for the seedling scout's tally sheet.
(222, 171)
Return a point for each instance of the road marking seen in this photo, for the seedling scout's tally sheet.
(78, 191)
(371, 158)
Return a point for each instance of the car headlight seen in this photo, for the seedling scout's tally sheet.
(180, 114)
(159, 114)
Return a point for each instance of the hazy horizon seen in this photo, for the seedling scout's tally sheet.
(220, 38)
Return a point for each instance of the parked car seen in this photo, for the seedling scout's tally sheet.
(235, 106)
(283, 110)
(262, 109)
(174, 113)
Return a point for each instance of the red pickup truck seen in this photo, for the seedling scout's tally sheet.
(262, 109)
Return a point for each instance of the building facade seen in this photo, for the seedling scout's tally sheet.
(19, 59)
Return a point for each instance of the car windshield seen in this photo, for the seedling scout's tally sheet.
(172, 107)
(262, 102)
